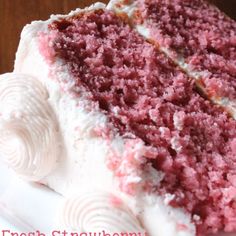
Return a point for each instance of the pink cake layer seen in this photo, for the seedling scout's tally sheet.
(203, 35)
(146, 96)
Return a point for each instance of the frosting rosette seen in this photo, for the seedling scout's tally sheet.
(97, 212)
(29, 141)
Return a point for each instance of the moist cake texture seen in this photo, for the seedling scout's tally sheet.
(196, 35)
(203, 35)
(193, 142)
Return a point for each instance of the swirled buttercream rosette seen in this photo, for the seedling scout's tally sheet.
(29, 140)
(97, 212)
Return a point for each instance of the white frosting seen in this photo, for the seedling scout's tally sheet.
(82, 164)
(126, 8)
(84, 153)
(162, 220)
(28, 128)
(98, 211)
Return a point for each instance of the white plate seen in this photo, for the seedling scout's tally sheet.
(26, 207)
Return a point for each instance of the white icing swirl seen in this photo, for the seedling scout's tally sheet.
(28, 127)
(95, 212)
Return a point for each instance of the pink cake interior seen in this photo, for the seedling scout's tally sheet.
(145, 95)
(203, 35)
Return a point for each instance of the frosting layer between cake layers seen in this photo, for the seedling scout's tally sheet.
(195, 35)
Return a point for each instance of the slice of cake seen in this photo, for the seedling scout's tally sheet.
(126, 134)
(92, 157)
(195, 35)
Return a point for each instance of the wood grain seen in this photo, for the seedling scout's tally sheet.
(14, 14)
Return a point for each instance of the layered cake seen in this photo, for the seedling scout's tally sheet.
(124, 126)
(195, 35)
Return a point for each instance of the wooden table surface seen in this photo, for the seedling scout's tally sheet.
(14, 14)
